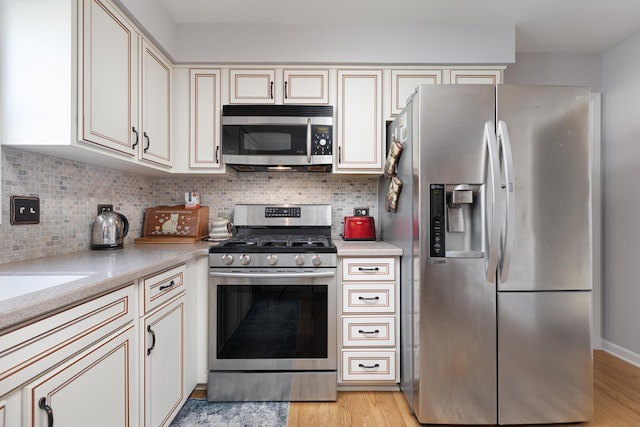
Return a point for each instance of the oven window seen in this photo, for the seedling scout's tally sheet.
(272, 322)
(266, 141)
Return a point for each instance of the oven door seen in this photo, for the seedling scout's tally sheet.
(272, 321)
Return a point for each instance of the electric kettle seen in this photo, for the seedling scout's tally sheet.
(109, 230)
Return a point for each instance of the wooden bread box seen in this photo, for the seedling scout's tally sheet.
(174, 224)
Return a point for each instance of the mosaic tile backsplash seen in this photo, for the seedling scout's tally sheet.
(70, 191)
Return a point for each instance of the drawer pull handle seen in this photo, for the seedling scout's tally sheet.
(170, 285)
(368, 298)
(368, 332)
(42, 403)
(153, 339)
(360, 365)
(368, 268)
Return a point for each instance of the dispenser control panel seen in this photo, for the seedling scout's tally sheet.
(437, 198)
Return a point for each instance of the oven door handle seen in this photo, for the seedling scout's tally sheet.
(280, 275)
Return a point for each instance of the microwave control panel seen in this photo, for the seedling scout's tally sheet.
(321, 141)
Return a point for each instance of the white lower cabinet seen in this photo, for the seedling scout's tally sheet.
(95, 388)
(164, 363)
(116, 360)
(162, 330)
(369, 351)
(77, 367)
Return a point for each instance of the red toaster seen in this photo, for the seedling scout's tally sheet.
(359, 228)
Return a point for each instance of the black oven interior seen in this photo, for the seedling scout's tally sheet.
(271, 322)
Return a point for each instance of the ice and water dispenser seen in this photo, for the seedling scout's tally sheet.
(457, 219)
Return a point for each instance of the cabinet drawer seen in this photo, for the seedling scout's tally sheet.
(368, 269)
(369, 366)
(368, 331)
(162, 287)
(368, 298)
(29, 351)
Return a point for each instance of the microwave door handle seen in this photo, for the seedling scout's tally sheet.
(309, 140)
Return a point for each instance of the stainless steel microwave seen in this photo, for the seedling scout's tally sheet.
(277, 137)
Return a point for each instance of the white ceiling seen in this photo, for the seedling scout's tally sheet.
(542, 26)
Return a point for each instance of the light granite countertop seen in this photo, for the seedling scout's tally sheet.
(105, 271)
(366, 248)
(108, 270)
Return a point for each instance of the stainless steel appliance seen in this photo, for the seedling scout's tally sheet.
(109, 230)
(494, 222)
(277, 137)
(272, 306)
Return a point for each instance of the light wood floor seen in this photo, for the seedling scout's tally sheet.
(616, 403)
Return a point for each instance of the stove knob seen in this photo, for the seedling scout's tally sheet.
(316, 260)
(299, 259)
(227, 259)
(245, 259)
(272, 259)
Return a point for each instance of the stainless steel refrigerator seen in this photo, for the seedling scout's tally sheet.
(493, 215)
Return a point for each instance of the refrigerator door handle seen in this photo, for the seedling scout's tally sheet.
(491, 260)
(506, 240)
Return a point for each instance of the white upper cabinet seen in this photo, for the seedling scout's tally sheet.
(109, 70)
(306, 86)
(359, 129)
(252, 86)
(475, 76)
(278, 86)
(404, 83)
(204, 141)
(155, 108)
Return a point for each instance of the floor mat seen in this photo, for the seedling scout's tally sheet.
(200, 412)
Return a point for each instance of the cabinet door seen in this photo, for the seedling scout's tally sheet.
(306, 86)
(359, 124)
(163, 363)
(251, 86)
(155, 141)
(204, 143)
(404, 83)
(95, 388)
(109, 73)
(475, 76)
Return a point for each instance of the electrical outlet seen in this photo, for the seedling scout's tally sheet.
(360, 211)
(104, 208)
(24, 210)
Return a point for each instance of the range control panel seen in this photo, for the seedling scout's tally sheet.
(282, 212)
(321, 141)
(437, 196)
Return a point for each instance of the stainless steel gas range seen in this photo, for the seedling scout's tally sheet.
(272, 306)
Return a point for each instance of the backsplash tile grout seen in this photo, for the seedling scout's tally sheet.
(69, 192)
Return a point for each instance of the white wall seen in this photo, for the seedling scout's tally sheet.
(325, 42)
(335, 43)
(621, 156)
(556, 69)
